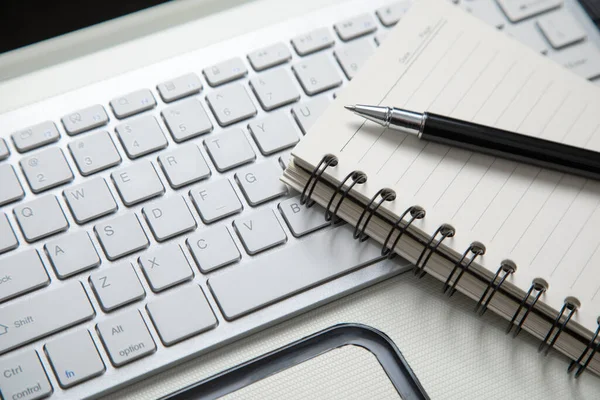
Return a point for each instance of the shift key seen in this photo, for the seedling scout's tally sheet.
(38, 316)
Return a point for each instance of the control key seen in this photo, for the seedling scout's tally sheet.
(23, 377)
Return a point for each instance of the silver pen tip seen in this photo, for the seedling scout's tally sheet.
(351, 108)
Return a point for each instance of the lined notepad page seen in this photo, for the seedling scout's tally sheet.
(443, 60)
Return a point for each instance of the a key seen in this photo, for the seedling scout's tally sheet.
(35, 136)
(355, 27)
(8, 240)
(4, 151)
(11, 189)
(487, 11)
(527, 33)
(561, 28)
(186, 119)
(239, 291)
(213, 248)
(133, 103)
(85, 119)
(274, 133)
(179, 87)
(231, 104)
(302, 220)
(90, 200)
(306, 114)
(225, 71)
(583, 59)
(317, 74)
(313, 41)
(215, 200)
(43, 314)
(352, 55)
(126, 338)
(141, 136)
(391, 14)
(169, 217)
(72, 254)
(229, 149)
(259, 231)
(269, 56)
(24, 377)
(46, 169)
(21, 273)
(94, 153)
(172, 320)
(40, 218)
(121, 236)
(184, 166)
(165, 267)
(74, 367)
(260, 182)
(274, 89)
(518, 10)
(116, 286)
(137, 182)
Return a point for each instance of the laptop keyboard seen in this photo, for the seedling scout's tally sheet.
(153, 225)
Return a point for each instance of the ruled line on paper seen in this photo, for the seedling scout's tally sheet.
(494, 198)
(598, 290)
(586, 264)
(574, 123)
(373, 144)
(433, 170)
(537, 101)
(412, 162)
(592, 135)
(496, 86)
(453, 179)
(473, 188)
(553, 114)
(517, 93)
(393, 152)
(474, 82)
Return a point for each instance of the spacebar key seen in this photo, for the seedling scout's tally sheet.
(43, 314)
(322, 257)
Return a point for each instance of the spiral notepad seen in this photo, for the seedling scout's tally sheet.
(520, 240)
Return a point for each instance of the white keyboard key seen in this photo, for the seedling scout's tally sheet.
(352, 55)
(46, 169)
(94, 153)
(40, 218)
(317, 74)
(21, 273)
(11, 189)
(213, 248)
(141, 136)
(354, 27)
(270, 56)
(24, 377)
(561, 28)
(313, 41)
(169, 217)
(74, 367)
(137, 182)
(260, 182)
(186, 119)
(231, 104)
(302, 220)
(35, 136)
(391, 14)
(179, 87)
(527, 33)
(260, 231)
(485, 10)
(116, 286)
(4, 151)
(172, 320)
(215, 200)
(165, 267)
(43, 314)
(229, 149)
(133, 103)
(517, 10)
(284, 160)
(126, 338)
(225, 71)
(121, 236)
(306, 114)
(274, 133)
(274, 89)
(583, 59)
(8, 240)
(85, 119)
(380, 38)
(72, 254)
(90, 200)
(184, 165)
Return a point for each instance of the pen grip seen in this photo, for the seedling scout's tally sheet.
(501, 143)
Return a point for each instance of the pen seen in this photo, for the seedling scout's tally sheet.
(485, 139)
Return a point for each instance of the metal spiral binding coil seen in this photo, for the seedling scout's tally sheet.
(568, 309)
(386, 195)
(476, 249)
(357, 178)
(416, 212)
(445, 231)
(327, 161)
(506, 268)
(595, 348)
(539, 286)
